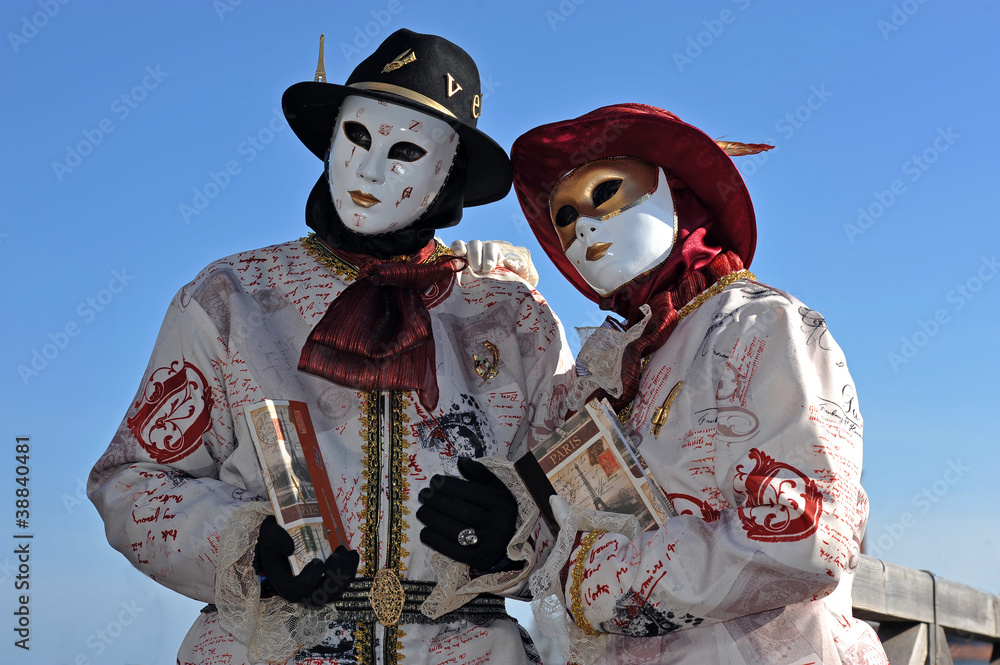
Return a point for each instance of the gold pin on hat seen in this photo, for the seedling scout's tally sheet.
(320, 68)
(404, 58)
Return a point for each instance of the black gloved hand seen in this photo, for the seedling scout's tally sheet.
(319, 582)
(482, 502)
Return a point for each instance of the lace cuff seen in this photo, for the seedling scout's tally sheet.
(271, 629)
(455, 587)
(550, 606)
(599, 363)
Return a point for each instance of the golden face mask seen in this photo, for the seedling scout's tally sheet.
(599, 190)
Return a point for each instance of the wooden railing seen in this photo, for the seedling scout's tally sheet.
(915, 610)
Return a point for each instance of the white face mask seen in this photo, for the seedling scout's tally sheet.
(615, 218)
(387, 164)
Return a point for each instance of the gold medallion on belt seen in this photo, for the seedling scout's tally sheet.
(387, 597)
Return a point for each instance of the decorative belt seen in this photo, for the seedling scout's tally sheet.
(362, 602)
(355, 605)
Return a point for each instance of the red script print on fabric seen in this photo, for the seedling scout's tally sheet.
(780, 508)
(173, 412)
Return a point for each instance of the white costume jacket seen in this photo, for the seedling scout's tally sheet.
(182, 466)
(760, 456)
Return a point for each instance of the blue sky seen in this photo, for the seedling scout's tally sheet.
(877, 208)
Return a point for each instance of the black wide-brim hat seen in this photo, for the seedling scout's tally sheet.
(424, 72)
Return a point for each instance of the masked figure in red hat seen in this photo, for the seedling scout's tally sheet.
(405, 364)
(736, 394)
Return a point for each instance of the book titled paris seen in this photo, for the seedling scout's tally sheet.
(296, 478)
(590, 462)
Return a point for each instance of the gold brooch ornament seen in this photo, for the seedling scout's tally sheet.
(404, 58)
(387, 597)
(487, 369)
(661, 412)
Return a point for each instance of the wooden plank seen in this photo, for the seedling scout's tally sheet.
(905, 643)
(943, 656)
(887, 591)
(966, 608)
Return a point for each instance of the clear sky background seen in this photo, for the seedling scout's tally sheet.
(877, 207)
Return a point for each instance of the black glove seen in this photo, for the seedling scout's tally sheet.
(319, 582)
(480, 502)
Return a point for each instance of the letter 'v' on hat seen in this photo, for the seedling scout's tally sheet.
(422, 72)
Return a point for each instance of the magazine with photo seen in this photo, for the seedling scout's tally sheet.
(590, 462)
(290, 460)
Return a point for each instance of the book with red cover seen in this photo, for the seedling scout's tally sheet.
(296, 478)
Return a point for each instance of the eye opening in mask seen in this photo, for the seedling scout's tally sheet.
(605, 191)
(405, 151)
(565, 216)
(357, 134)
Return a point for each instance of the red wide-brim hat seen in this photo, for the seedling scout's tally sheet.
(542, 156)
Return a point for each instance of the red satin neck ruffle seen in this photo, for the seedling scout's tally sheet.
(376, 335)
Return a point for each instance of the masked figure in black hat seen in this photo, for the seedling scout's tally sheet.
(373, 325)
(735, 393)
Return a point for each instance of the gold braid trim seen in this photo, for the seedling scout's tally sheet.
(364, 651)
(399, 487)
(723, 282)
(371, 488)
(321, 254)
(576, 607)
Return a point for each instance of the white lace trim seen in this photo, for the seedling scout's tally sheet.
(271, 629)
(454, 586)
(600, 360)
(550, 605)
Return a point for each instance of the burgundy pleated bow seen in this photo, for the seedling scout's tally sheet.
(376, 335)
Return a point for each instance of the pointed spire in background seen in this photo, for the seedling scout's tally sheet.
(320, 69)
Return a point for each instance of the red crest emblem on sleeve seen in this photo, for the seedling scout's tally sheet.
(783, 504)
(172, 413)
(704, 509)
